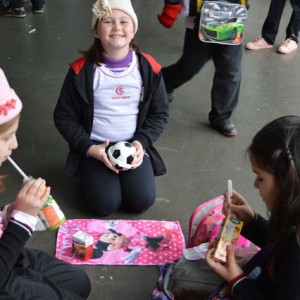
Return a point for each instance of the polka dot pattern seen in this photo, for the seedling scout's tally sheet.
(144, 242)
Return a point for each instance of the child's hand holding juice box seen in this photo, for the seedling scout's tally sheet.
(228, 235)
(229, 231)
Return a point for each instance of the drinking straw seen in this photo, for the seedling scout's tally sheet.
(18, 168)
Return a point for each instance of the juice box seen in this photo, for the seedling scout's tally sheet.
(229, 234)
(82, 245)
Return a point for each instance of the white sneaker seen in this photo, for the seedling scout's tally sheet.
(259, 43)
(288, 46)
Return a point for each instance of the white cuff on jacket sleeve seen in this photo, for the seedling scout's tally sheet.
(25, 219)
(4, 212)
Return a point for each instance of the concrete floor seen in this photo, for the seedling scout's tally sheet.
(199, 160)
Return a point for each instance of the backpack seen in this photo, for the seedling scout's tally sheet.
(192, 8)
(194, 279)
(205, 223)
(222, 22)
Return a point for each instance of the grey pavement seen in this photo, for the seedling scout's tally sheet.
(199, 160)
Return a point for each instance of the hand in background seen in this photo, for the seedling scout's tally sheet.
(32, 196)
(169, 15)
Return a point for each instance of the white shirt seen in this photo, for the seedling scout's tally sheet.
(116, 102)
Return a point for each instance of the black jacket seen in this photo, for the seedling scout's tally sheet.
(284, 283)
(73, 114)
(11, 246)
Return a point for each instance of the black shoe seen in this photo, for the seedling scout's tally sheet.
(226, 128)
(16, 12)
(38, 10)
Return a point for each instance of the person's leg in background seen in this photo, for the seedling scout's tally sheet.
(195, 55)
(272, 22)
(292, 30)
(2, 4)
(270, 27)
(16, 9)
(38, 6)
(227, 60)
(226, 87)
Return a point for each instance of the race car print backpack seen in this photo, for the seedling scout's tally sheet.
(222, 22)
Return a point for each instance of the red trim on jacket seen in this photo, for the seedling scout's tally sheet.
(154, 64)
(78, 64)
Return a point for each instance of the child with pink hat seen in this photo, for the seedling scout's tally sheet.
(28, 273)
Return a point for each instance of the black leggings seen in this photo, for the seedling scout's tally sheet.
(38, 276)
(105, 191)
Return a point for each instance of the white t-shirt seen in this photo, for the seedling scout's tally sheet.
(116, 102)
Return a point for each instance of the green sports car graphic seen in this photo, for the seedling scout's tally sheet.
(222, 31)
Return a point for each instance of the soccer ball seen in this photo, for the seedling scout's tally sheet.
(120, 155)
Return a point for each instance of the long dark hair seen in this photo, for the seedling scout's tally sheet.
(276, 149)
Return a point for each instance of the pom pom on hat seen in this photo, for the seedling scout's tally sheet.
(102, 8)
(10, 104)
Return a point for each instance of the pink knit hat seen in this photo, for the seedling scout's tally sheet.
(10, 104)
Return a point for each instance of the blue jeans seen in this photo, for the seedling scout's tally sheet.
(20, 3)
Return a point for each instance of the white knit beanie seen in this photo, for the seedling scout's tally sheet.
(102, 8)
